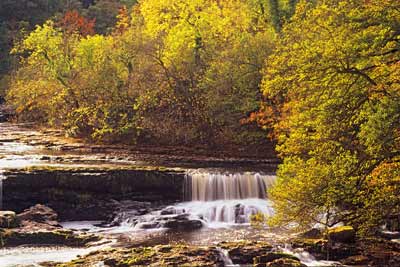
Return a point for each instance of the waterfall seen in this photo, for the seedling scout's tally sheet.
(203, 186)
(215, 199)
(226, 198)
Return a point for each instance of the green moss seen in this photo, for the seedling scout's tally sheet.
(342, 234)
(271, 256)
(340, 229)
(57, 237)
(93, 168)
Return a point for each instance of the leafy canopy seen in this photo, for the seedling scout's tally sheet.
(332, 95)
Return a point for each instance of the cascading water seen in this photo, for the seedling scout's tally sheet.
(214, 199)
(226, 198)
(204, 186)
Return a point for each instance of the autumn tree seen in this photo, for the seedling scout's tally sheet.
(331, 95)
(72, 22)
(170, 72)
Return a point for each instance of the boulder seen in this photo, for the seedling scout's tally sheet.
(185, 224)
(285, 262)
(8, 219)
(39, 214)
(161, 255)
(313, 233)
(168, 211)
(359, 260)
(22, 236)
(38, 226)
(182, 222)
(263, 260)
(342, 234)
(244, 252)
(321, 248)
(317, 247)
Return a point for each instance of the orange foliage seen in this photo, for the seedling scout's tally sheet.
(73, 22)
(123, 22)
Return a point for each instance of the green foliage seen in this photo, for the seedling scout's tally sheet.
(212, 54)
(332, 96)
(18, 17)
(172, 72)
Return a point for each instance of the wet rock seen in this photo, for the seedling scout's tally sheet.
(359, 260)
(321, 249)
(8, 219)
(244, 252)
(46, 158)
(39, 214)
(393, 223)
(168, 255)
(284, 262)
(23, 236)
(389, 235)
(380, 252)
(184, 224)
(5, 113)
(71, 190)
(270, 257)
(313, 233)
(39, 226)
(343, 234)
(181, 222)
(168, 211)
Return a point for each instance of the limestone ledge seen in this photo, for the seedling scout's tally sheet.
(86, 193)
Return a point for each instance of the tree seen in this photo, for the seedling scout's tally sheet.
(72, 22)
(211, 54)
(171, 72)
(332, 97)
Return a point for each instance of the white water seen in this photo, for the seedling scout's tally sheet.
(205, 186)
(225, 257)
(307, 258)
(32, 256)
(223, 199)
(223, 213)
(216, 199)
(90, 226)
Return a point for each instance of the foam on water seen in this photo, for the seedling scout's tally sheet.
(223, 213)
(32, 256)
(307, 258)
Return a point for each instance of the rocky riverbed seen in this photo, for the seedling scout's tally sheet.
(75, 204)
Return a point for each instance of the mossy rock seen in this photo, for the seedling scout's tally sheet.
(313, 233)
(314, 246)
(56, 237)
(244, 252)
(342, 234)
(272, 256)
(175, 255)
(285, 262)
(358, 260)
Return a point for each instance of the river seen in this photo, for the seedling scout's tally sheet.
(218, 200)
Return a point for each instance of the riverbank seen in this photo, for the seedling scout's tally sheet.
(192, 209)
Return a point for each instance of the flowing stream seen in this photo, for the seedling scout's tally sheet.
(217, 199)
(226, 198)
(223, 202)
